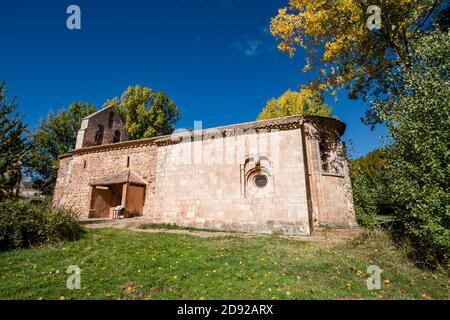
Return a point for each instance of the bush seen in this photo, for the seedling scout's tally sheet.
(24, 224)
(418, 163)
(365, 198)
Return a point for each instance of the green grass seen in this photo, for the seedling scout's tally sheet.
(122, 264)
(384, 218)
(172, 226)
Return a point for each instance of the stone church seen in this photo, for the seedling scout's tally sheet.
(286, 175)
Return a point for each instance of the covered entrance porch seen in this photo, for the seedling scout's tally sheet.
(124, 189)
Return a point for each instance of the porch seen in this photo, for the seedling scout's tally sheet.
(124, 189)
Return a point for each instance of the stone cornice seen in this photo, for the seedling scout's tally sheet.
(112, 146)
(279, 124)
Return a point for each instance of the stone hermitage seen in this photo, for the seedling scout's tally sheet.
(286, 175)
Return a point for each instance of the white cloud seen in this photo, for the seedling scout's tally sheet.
(252, 47)
(249, 47)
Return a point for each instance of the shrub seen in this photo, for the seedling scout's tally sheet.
(418, 162)
(365, 198)
(24, 224)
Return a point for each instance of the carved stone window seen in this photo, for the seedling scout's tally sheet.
(111, 119)
(99, 131)
(331, 156)
(256, 177)
(116, 137)
(323, 156)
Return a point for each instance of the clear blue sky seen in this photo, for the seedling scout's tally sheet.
(214, 58)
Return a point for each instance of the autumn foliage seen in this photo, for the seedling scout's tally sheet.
(291, 103)
(340, 46)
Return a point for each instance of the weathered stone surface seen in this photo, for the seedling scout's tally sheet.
(111, 126)
(286, 176)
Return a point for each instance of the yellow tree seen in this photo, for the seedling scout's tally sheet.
(307, 101)
(350, 43)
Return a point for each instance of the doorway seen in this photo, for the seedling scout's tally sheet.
(105, 198)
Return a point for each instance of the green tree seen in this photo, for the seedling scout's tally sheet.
(146, 113)
(54, 136)
(13, 146)
(418, 162)
(305, 102)
(369, 184)
(365, 196)
(372, 162)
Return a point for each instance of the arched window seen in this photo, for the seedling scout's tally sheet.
(99, 134)
(111, 119)
(323, 149)
(256, 177)
(116, 137)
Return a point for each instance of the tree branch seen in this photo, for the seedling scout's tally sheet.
(435, 4)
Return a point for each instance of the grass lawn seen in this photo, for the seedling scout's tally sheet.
(123, 264)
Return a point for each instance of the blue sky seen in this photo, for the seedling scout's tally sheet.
(214, 58)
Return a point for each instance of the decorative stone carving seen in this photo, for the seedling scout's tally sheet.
(258, 180)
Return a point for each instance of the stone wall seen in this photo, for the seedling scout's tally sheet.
(329, 176)
(76, 171)
(111, 122)
(285, 175)
(205, 184)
